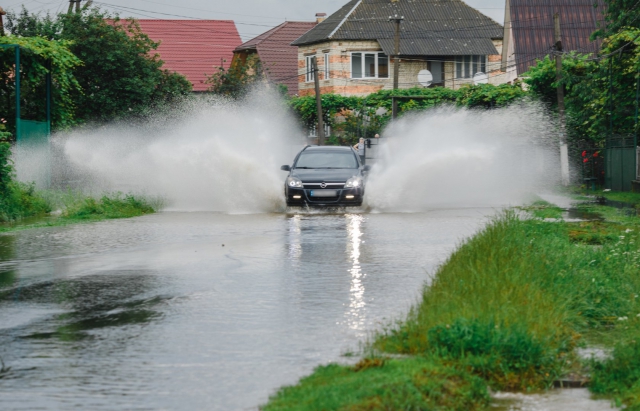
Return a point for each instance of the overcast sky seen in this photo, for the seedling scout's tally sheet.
(252, 17)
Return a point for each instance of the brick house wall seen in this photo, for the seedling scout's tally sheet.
(340, 81)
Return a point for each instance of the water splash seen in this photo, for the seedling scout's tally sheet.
(217, 156)
(450, 157)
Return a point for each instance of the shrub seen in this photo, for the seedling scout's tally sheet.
(17, 200)
(619, 375)
(108, 206)
(416, 384)
(508, 355)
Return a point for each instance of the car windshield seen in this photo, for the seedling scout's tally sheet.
(320, 159)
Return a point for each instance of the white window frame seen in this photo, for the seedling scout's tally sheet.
(327, 67)
(459, 60)
(309, 74)
(313, 130)
(362, 62)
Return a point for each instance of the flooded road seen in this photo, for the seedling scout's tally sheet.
(204, 311)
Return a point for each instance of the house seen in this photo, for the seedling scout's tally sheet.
(354, 46)
(193, 48)
(278, 58)
(529, 30)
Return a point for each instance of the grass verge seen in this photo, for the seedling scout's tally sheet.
(509, 307)
(20, 202)
(77, 208)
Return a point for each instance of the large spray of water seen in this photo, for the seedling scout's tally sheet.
(464, 158)
(224, 156)
(218, 156)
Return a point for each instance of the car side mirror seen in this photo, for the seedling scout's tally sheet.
(285, 168)
(366, 168)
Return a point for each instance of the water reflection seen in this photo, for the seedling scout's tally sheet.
(113, 299)
(294, 247)
(7, 252)
(356, 312)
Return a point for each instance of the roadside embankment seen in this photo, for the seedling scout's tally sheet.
(74, 207)
(22, 206)
(508, 309)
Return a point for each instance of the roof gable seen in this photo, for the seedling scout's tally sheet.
(437, 20)
(278, 57)
(533, 27)
(193, 48)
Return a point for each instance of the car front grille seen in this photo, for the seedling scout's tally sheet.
(330, 186)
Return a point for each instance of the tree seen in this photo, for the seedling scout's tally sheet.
(619, 14)
(237, 80)
(367, 116)
(120, 77)
(38, 57)
(600, 93)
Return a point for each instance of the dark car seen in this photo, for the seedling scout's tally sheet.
(325, 176)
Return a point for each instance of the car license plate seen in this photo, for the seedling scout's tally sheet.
(323, 193)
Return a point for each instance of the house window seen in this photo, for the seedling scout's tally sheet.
(468, 66)
(310, 76)
(327, 73)
(369, 65)
(313, 130)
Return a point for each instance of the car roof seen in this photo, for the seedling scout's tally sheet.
(327, 148)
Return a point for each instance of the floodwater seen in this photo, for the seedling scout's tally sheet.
(204, 311)
(207, 311)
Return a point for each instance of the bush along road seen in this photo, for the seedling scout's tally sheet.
(507, 311)
(22, 206)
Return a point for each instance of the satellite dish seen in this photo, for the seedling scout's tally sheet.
(480, 78)
(425, 78)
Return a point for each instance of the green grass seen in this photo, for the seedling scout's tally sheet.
(544, 209)
(625, 197)
(108, 206)
(509, 306)
(76, 207)
(20, 201)
(391, 384)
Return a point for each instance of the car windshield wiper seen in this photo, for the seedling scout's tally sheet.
(303, 167)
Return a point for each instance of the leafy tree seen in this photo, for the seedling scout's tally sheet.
(120, 76)
(354, 117)
(599, 93)
(237, 80)
(38, 55)
(619, 14)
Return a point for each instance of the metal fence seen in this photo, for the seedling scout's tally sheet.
(621, 158)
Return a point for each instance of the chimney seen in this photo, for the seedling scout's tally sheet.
(320, 17)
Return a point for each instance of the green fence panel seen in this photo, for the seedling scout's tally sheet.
(620, 163)
(33, 156)
(34, 133)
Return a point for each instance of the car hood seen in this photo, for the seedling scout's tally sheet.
(318, 175)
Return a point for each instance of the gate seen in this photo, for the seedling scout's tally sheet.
(620, 163)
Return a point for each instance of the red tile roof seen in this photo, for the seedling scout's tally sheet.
(193, 48)
(278, 57)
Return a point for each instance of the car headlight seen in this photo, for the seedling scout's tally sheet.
(353, 182)
(294, 182)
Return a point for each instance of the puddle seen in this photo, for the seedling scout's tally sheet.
(596, 353)
(574, 214)
(577, 399)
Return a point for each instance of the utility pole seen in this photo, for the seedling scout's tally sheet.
(77, 2)
(2, 13)
(396, 62)
(564, 151)
(316, 80)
